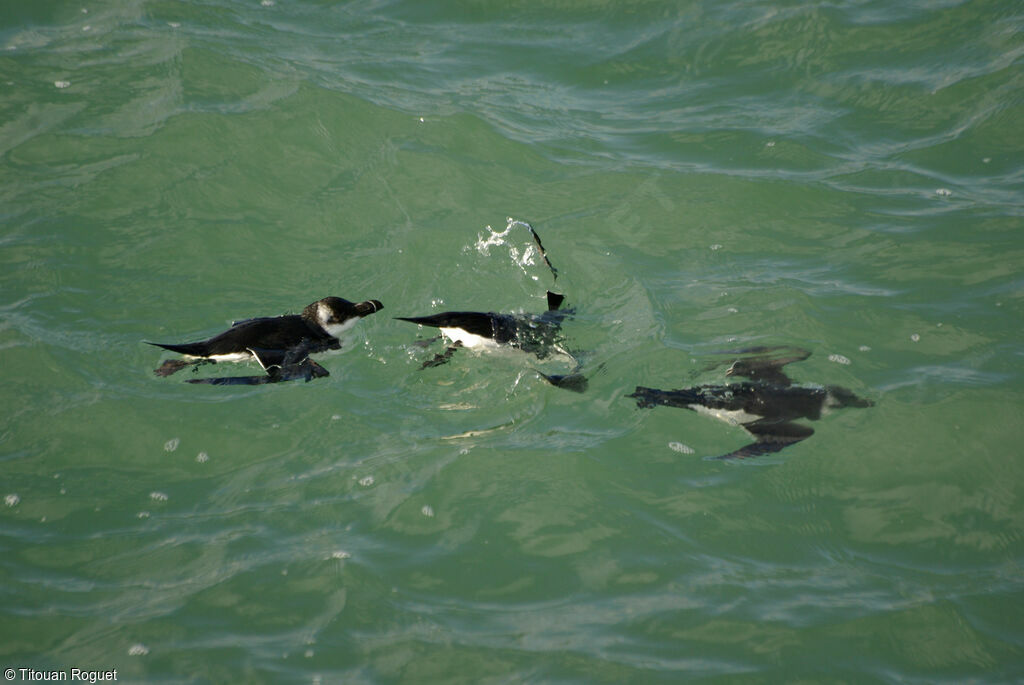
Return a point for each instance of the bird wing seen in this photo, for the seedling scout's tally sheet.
(770, 437)
(764, 363)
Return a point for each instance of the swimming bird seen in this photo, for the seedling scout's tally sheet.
(766, 406)
(539, 335)
(280, 344)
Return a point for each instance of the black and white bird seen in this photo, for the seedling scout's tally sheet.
(766, 406)
(280, 344)
(539, 335)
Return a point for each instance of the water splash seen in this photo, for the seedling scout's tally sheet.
(493, 239)
(523, 252)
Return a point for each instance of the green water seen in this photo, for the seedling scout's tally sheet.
(846, 177)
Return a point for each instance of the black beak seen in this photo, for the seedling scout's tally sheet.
(368, 307)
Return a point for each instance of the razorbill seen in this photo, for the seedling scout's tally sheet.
(281, 344)
(539, 335)
(766, 406)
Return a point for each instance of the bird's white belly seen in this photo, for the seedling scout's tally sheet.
(735, 417)
(222, 358)
(470, 340)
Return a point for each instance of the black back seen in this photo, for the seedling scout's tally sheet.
(270, 333)
(477, 323)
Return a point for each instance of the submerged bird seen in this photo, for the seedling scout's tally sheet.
(766, 406)
(539, 335)
(281, 344)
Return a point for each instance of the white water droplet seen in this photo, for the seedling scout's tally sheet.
(483, 245)
(943, 192)
(839, 359)
(171, 445)
(427, 511)
(158, 496)
(864, 348)
(915, 337)
(202, 457)
(680, 447)
(340, 554)
(366, 481)
(12, 500)
(138, 649)
(61, 84)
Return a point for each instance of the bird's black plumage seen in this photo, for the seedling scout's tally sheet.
(271, 333)
(485, 324)
(278, 342)
(536, 334)
(766, 407)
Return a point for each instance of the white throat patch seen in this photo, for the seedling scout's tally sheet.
(338, 329)
(323, 316)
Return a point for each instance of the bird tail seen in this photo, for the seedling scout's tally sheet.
(192, 349)
(422, 320)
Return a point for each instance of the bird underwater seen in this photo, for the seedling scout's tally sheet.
(280, 344)
(766, 405)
